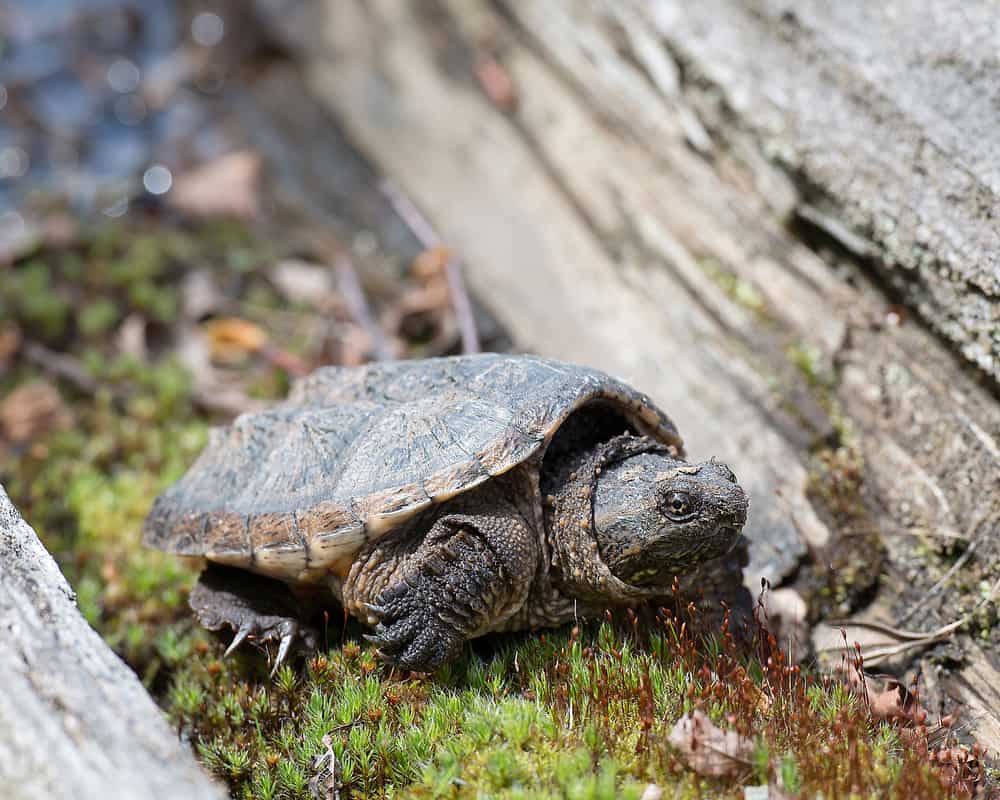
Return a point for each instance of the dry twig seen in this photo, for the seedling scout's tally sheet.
(60, 365)
(911, 640)
(959, 563)
(429, 238)
(349, 287)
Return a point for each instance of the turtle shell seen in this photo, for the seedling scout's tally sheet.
(295, 491)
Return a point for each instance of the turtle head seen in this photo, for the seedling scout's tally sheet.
(656, 516)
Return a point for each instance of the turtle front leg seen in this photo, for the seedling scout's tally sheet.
(466, 577)
(256, 608)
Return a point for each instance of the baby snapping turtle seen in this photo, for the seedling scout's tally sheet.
(443, 499)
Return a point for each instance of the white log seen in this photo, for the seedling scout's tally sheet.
(75, 722)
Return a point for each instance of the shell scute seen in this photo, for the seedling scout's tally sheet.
(455, 479)
(384, 510)
(227, 538)
(333, 552)
(325, 518)
(188, 533)
(275, 529)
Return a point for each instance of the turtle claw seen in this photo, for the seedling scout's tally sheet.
(241, 636)
(283, 648)
(377, 610)
(288, 634)
(388, 646)
(411, 629)
(258, 609)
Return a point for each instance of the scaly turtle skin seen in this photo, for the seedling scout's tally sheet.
(443, 499)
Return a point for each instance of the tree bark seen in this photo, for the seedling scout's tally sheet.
(75, 722)
(886, 116)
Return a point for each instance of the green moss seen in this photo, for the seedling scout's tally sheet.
(32, 297)
(87, 489)
(810, 363)
(738, 289)
(564, 715)
(849, 569)
(97, 317)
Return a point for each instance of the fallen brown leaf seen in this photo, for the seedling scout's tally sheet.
(33, 409)
(424, 310)
(324, 785)
(231, 339)
(709, 750)
(226, 187)
(887, 698)
(429, 264)
(888, 704)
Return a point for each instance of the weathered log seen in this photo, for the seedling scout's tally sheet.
(612, 214)
(885, 115)
(75, 722)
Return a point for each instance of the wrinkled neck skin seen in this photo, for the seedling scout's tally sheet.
(578, 571)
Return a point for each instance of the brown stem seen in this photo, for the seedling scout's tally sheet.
(60, 366)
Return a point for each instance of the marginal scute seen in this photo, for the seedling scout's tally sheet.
(188, 534)
(332, 535)
(454, 480)
(285, 560)
(274, 530)
(508, 450)
(226, 538)
(662, 429)
(335, 551)
(324, 518)
(382, 511)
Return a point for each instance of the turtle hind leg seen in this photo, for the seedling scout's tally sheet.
(256, 608)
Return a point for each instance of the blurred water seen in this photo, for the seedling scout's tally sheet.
(93, 92)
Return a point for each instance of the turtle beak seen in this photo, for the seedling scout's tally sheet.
(732, 524)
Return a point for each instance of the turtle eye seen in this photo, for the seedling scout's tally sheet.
(678, 505)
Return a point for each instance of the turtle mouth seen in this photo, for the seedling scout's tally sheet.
(732, 533)
(644, 578)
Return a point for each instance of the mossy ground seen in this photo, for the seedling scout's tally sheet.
(570, 714)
